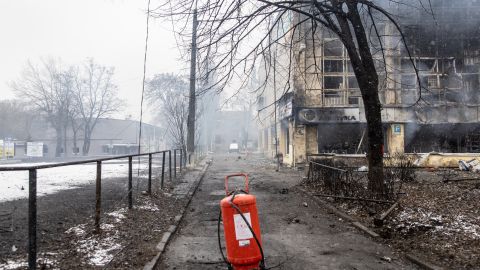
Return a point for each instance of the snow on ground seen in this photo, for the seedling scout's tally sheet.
(78, 230)
(149, 206)
(11, 264)
(99, 249)
(456, 224)
(23, 264)
(118, 215)
(14, 185)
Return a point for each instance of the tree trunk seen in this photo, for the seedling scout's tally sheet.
(185, 154)
(367, 77)
(86, 141)
(58, 147)
(74, 139)
(65, 151)
(376, 184)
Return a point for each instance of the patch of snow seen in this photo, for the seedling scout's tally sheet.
(49, 263)
(23, 264)
(14, 184)
(409, 218)
(363, 169)
(78, 230)
(149, 207)
(118, 215)
(99, 251)
(107, 227)
(463, 224)
(10, 265)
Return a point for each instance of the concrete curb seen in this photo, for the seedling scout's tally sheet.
(360, 226)
(423, 264)
(167, 236)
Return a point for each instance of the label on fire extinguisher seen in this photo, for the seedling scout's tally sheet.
(242, 232)
(244, 243)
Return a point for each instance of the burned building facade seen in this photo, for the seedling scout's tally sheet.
(322, 111)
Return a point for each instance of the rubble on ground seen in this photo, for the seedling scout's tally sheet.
(438, 216)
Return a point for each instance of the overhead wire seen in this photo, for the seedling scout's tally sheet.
(143, 90)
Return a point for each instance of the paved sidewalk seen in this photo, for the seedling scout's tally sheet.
(294, 236)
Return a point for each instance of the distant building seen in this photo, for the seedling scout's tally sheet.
(110, 137)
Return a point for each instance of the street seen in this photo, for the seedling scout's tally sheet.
(296, 232)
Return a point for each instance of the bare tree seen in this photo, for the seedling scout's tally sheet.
(95, 96)
(169, 94)
(48, 89)
(241, 34)
(15, 119)
(76, 124)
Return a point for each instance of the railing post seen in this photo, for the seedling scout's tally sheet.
(163, 169)
(170, 165)
(149, 173)
(130, 199)
(175, 163)
(181, 159)
(32, 219)
(98, 196)
(309, 170)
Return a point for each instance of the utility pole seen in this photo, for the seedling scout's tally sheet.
(191, 101)
(275, 108)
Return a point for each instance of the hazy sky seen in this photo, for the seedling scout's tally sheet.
(110, 31)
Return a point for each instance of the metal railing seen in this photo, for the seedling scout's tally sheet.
(337, 181)
(32, 187)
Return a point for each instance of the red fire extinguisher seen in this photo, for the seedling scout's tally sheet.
(241, 228)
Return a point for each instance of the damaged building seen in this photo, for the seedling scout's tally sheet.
(314, 104)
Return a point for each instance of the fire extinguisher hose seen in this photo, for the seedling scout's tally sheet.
(233, 193)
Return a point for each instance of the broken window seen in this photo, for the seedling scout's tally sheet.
(353, 100)
(349, 67)
(426, 64)
(408, 81)
(333, 82)
(433, 82)
(406, 65)
(333, 65)
(333, 48)
(352, 82)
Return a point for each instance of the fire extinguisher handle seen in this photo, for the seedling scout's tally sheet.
(233, 175)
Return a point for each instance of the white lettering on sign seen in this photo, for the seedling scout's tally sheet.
(242, 232)
(317, 115)
(244, 243)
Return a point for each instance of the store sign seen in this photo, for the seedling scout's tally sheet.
(330, 115)
(35, 149)
(397, 129)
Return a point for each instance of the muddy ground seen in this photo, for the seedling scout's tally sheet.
(66, 237)
(437, 220)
